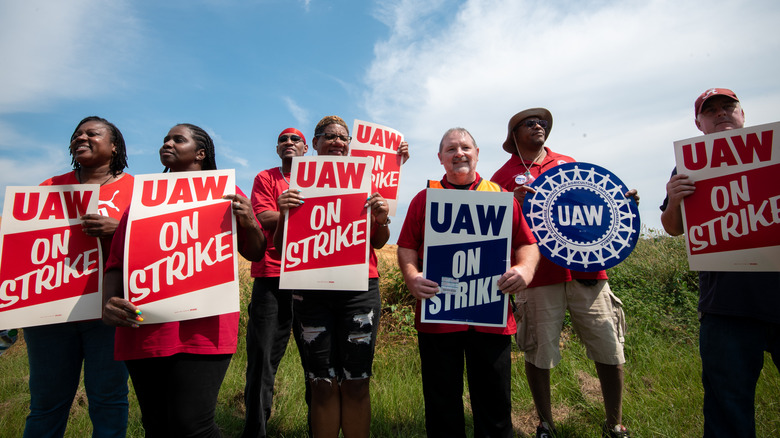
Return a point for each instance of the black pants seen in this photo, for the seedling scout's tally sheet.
(178, 394)
(488, 369)
(267, 334)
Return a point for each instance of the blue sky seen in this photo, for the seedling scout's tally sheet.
(619, 77)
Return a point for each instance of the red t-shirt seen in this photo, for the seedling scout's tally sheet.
(113, 199)
(210, 335)
(548, 272)
(268, 186)
(413, 237)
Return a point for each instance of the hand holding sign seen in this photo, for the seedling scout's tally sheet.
(422, 288)
(325, 241)
(732, 214)
(117, 311)
(95, 225)
(379, 208)
(403, 152)
(289, 199)
(389, 151)
(515, 279)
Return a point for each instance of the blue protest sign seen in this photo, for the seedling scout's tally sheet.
(581, 217)
(467, 249)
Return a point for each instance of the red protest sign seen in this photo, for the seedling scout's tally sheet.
(50, 271)
(381, 144)
(732, 220)
(187, 256)
(336, 241)
(180, 246)
(326, 238)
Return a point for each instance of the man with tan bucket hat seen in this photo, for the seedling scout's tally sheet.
(596, 313)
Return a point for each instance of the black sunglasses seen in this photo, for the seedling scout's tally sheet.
(532, 123)
(294, 138)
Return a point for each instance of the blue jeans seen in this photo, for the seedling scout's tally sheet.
(488, 369)
(55, 353)
(732, 356)
(267, 334)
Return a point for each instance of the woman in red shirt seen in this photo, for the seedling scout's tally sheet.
(56, 351)
(178, 367)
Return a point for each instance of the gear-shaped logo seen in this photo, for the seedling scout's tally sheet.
(581, 217)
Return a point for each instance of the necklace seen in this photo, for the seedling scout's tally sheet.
(78, 177)
(283, 177)
(527, 169)
(526, 177)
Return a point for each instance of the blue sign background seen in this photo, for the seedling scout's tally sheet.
(440, 260)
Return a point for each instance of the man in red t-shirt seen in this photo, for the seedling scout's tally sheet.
(596, 313)
(443, 346)
(270, 310)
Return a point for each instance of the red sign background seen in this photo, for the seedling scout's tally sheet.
(212, 220)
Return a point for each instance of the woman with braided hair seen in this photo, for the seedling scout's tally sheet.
(177, 367)
(98, 156)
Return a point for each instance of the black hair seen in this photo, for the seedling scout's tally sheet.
(118, 158)
(203, 141)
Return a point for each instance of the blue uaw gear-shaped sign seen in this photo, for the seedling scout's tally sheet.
(581, 217)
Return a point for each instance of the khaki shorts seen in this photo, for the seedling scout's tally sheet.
(596, 314)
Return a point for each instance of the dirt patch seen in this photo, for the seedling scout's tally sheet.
(525, 420)
(590, 388)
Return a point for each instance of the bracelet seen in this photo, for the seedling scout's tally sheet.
(384, 224)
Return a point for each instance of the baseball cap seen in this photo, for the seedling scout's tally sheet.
(711, 93)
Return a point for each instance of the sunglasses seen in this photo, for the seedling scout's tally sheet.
(532, 123)
(293, 138)
(333, 137)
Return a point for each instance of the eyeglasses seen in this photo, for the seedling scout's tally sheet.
(333, 137)
(532, 123)
(293, 138)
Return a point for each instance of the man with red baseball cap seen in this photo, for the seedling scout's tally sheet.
(270, 310)
(738, 311)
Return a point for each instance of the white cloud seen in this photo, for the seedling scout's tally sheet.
(63, 49)
(300, 114)
(619, 77)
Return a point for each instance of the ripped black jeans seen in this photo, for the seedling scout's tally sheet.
(338, 331)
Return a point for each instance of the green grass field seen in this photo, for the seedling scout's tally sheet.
(663, 394)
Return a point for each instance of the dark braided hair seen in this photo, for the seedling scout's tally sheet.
(203, 141)
(118, 158)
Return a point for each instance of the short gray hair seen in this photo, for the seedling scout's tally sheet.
(453, 130)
